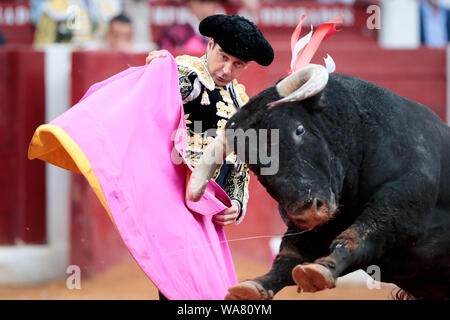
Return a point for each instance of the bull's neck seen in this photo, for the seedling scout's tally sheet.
(341, 121)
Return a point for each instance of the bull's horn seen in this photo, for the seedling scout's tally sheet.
(211, 159)
(302, 84)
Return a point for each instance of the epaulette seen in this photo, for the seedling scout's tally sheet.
(188, 65)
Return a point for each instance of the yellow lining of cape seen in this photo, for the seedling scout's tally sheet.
(52, 144)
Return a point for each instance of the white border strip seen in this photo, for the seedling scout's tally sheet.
(27, 264)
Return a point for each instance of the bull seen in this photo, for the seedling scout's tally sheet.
(363, 179)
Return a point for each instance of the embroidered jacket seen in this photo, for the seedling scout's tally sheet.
(207, 108)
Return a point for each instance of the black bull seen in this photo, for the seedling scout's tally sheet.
(366, 173)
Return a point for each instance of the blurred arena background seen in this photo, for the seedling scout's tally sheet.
(52, 51)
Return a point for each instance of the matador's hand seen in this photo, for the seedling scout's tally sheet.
(229, 216)
(153, 55)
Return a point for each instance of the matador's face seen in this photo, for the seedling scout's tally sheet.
(222, 66)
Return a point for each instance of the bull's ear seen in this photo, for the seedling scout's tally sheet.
(302, 84)
(315, 103)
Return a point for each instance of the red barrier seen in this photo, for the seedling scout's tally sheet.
(95, 66)
(22, 182)
(8, 184)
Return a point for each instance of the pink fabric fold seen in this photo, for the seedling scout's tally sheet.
(127, 127)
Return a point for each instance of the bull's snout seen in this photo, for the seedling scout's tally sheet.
(311, 213)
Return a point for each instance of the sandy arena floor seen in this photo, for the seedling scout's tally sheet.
(127, 281)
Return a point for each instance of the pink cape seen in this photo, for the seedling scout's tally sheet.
(120, 136)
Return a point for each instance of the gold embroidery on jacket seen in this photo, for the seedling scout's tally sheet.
(225, 110)
(241, 94)
(205, 98)
(186, 118)
(221, 124)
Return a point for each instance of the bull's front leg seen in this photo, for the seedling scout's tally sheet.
(291, 254)
(377, 228)
(351, 248)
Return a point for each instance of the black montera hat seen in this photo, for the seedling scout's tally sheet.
(239, 37)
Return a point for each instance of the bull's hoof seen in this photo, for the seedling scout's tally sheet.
(312, 277)
(248, 290)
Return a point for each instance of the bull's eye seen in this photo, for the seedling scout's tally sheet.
(300, 130)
